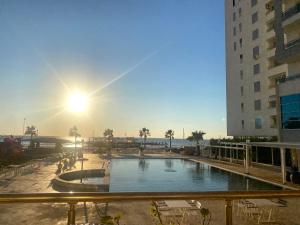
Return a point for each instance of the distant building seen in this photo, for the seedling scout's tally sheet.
(262, 68)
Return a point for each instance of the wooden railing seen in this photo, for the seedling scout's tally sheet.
(73, 198)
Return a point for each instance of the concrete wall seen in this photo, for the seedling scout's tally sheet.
(294, 68)
(63, 182)
(289, 87)
(290, 135)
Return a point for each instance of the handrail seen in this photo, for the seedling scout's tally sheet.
(73, 198)
(292, 43)
(69, 197)
(225, 147)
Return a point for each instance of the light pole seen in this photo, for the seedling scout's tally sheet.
(24, 126)
(82, 141)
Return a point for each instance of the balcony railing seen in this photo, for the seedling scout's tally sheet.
(292, 43)
(73, 198)
(290, 12)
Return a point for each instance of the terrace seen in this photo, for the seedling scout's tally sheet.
(89, 208)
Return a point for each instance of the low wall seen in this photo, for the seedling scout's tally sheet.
(64, 181)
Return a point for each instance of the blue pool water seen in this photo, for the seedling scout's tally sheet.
(176, 175)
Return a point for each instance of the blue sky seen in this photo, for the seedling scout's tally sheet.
(49, 45)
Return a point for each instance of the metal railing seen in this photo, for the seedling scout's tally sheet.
(290, 12)
(73, 198)
(292, 43)
(13, 170)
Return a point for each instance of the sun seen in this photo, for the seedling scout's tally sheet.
(78, 102)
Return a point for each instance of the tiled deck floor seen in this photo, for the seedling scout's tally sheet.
(134, 213)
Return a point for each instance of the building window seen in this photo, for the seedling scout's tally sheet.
(254, 17)
(242, 107)
(256, 52)
(257, 105)
(253, 2)
(241, 58)
(233, 16)
(240, 27)
(234, 46)
(257, 86)
(242, 91)
(255, 34)
(241, 74)
(258, 123)
(241, 42)
(240, 12)
(234, 31)
(290, 111)
(243, 124)
(233, 3)
(256, 69)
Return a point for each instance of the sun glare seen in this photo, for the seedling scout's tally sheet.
(78, 102)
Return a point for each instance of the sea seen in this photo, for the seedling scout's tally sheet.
(151, 142)
(176, 143)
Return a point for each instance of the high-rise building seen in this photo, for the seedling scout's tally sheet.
(262, 63)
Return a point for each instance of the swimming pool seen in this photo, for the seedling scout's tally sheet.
(176, 175)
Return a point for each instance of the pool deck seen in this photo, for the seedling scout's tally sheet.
(264, 174)
(38, 180)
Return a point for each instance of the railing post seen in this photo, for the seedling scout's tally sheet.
(283, 165)
(247, 159)
(71, 214)
(230, 152)
(228, 212)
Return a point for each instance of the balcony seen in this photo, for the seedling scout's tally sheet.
(277, 70)
(292, 43)
(273, 121)
(291, 15)
(270, 33)
(271, 53)
(270, 15)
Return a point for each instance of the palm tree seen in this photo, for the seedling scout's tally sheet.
(32, 131)
(74, 133)
(196, 136)
(109, 135)
(144, 133)
(170, 134)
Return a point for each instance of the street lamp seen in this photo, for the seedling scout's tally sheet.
(24, 126)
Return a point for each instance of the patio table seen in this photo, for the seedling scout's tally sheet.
(177, 207)
(266, 207)
(263, 202)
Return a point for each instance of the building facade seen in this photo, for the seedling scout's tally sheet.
(262, 54)
(287, 29)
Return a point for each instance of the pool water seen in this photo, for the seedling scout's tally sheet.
(176, 175)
